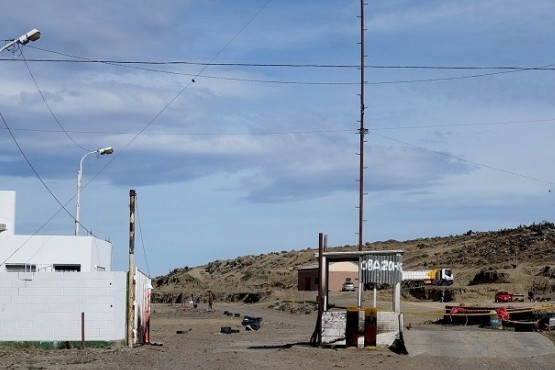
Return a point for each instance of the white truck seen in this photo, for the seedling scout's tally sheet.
(440, 276)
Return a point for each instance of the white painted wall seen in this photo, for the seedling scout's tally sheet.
(7, 211)
(48, 306)
(343, 266)
(141, 317)
(46, 250)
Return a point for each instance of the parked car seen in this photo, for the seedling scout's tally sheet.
(348, 286)
(503, 296)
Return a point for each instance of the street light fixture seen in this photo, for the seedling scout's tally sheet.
(32, 35)
(102, 151)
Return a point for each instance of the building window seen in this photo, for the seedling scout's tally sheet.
(67, 268)
(20, 267)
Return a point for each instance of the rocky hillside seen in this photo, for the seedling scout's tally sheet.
(513, 259)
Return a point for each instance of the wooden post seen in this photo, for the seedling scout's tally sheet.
(82, 330)
(131, 273)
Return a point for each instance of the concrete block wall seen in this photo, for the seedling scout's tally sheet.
(388, 326)
(388, 322)
(334, 325)
(48, 306)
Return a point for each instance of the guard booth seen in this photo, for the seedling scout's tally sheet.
(362, 324)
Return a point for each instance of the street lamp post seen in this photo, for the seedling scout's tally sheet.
(101, 151)
(32, 35)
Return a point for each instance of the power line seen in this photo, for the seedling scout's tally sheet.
(63, 206)
(37, 175)
(172, 100)
(471, 124)
(466, 160)
(80, 59)
(48, 105)
(141, 236)
(153, 133)
(164, 108)
(373, 132)
(302, 132)
(498, 70)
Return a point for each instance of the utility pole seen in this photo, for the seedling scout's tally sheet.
(320, 288)
(362, 131)
(131, 273)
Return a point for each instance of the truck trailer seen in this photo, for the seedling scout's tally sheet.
(440, 276)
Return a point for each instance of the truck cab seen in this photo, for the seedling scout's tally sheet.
(445, 277)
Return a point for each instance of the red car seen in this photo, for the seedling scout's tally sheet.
(503, 296)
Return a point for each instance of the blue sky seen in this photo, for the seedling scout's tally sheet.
(252, 158)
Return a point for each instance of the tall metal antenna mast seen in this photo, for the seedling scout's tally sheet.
(362, 131)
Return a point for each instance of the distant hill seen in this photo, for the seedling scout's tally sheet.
(515, 259)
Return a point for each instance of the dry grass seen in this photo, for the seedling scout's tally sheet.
(518, 259)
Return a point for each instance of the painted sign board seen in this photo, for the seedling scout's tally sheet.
(384, 268)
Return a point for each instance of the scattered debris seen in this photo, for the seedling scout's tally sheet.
(228, 330)
(251, 323)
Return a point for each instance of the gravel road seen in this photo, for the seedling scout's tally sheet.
(184, 338)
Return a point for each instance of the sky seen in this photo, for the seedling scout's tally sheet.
(236, 122)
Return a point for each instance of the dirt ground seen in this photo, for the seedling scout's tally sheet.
(191, 338)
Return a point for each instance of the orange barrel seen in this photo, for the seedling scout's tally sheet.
(370, 326)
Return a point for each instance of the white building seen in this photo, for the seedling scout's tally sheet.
(60, 288)
(47, 253)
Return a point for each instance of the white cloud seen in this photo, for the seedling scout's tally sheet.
(255, 157)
